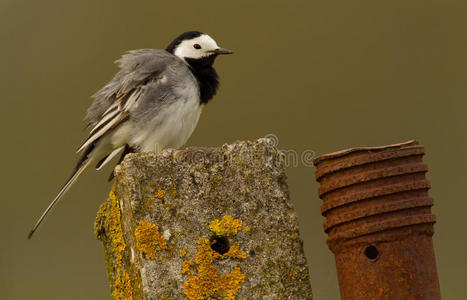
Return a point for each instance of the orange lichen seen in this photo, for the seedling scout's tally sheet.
(186, 264)
(213, 286)
(160, 193)
(182, 252)
(148, 240)
(227, 226)
(234, 252)
(208, 284)
(123, 289)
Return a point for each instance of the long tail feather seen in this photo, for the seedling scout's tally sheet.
(82, 164)
(108, 158)
(128, 149)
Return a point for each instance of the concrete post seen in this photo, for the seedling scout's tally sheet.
(203, 223)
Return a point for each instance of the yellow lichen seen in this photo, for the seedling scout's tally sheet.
(123, 289)
(148, 240)
(208, 284)
(109, 227)
(186, 264)
(182, 252)
(114, 228)
(246, 228)
(227, 226)
(160, 193)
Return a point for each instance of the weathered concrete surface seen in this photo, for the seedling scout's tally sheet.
(203, 223)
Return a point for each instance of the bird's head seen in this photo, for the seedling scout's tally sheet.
(196, 47)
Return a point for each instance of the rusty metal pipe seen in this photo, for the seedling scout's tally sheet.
(379, 221)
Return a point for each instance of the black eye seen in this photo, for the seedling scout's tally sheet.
(196, 46)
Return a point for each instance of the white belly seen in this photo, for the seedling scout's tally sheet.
(170, 128)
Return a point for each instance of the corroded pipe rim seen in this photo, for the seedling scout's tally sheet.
(344, 152)
(362, 158)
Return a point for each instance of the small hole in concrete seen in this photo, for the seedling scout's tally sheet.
(371, 252)
(220, 244)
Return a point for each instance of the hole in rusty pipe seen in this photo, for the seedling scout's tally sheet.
(371, 252)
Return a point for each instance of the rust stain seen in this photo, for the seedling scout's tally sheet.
(379, 221)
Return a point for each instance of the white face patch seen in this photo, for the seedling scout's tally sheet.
(187, 48)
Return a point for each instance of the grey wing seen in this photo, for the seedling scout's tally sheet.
(113, 103)
(136, 67)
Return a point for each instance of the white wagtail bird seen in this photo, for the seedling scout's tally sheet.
(153, 102)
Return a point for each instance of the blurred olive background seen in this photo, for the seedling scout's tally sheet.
(321, 75)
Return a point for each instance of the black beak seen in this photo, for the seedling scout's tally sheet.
(222, 51)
